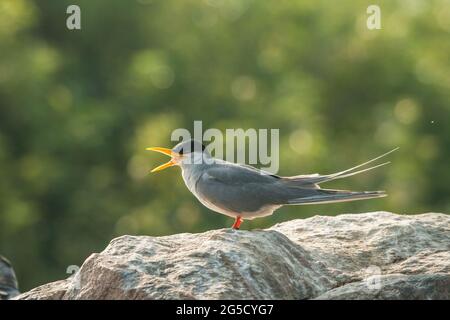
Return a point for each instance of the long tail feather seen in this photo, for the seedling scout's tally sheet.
(359, 171)
(317, 178)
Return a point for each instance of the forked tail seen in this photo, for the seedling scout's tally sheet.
(307, 191)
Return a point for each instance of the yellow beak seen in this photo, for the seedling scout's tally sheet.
(166, 152)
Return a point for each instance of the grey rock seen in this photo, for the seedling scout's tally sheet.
(8, 281)
(376, 255)
(394, 287)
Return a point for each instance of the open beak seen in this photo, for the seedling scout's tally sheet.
(166, 152)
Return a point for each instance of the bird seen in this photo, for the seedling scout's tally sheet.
(244, 192)
(8, 282)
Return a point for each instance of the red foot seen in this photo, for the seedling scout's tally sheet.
(237, 223)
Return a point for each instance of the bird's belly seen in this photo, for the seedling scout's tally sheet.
(247, 215)
(263, 212)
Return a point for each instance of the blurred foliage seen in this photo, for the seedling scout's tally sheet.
(78, 108)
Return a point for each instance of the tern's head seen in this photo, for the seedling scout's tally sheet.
(185, 153)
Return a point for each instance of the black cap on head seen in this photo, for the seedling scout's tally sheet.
(186, 147)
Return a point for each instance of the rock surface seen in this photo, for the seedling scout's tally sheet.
(375, 255)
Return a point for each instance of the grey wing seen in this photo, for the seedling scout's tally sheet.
(245, 170)
(237, 188)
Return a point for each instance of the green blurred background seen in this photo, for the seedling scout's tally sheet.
(78, 108)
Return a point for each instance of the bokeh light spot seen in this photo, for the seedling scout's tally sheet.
(243, 88)
(406, 111)
(301, 141)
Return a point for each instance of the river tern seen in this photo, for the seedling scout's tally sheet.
(244, 192)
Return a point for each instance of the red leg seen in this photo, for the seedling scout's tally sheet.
(237, 222)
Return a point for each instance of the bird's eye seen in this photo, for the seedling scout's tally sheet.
(181, 151)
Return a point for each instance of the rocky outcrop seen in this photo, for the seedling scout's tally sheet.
(8, 282)
(375, 255)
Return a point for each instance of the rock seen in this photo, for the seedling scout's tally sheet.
(394, 286)
(8, 281)
(375, 255)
